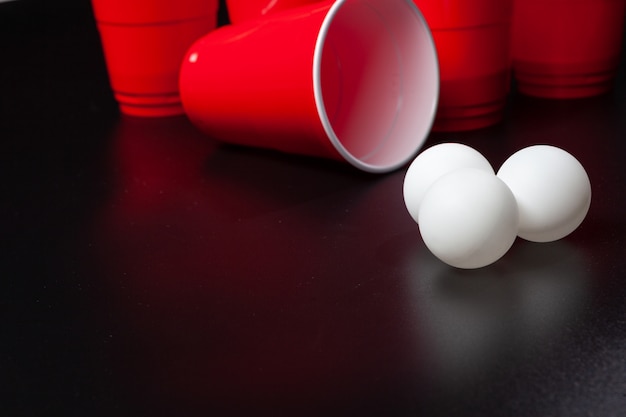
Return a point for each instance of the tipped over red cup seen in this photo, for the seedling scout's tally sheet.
(352, 80)
(144, 42)
(473, 45)
(567, 48)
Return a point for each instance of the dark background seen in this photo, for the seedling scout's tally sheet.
(147, 270)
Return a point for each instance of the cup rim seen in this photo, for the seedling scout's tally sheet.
(321, 107)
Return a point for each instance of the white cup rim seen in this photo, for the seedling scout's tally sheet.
(405, 139)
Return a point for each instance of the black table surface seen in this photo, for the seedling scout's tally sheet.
(148, 270)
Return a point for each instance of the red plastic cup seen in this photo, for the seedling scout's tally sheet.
(567, 48)
(144, 42)
(242, 10)
(473, 44)
(354, 80)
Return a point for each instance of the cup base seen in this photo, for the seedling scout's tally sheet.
(468, 118)
(561, 82)
(143, 62)
(469, 103)
(558, 88)
(152, 106)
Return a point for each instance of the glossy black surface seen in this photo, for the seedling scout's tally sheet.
(147, 270)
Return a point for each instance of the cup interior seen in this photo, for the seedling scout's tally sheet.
(376, 81)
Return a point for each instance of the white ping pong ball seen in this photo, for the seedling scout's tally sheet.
(433, 163)
(552, 190)
(468, 218)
